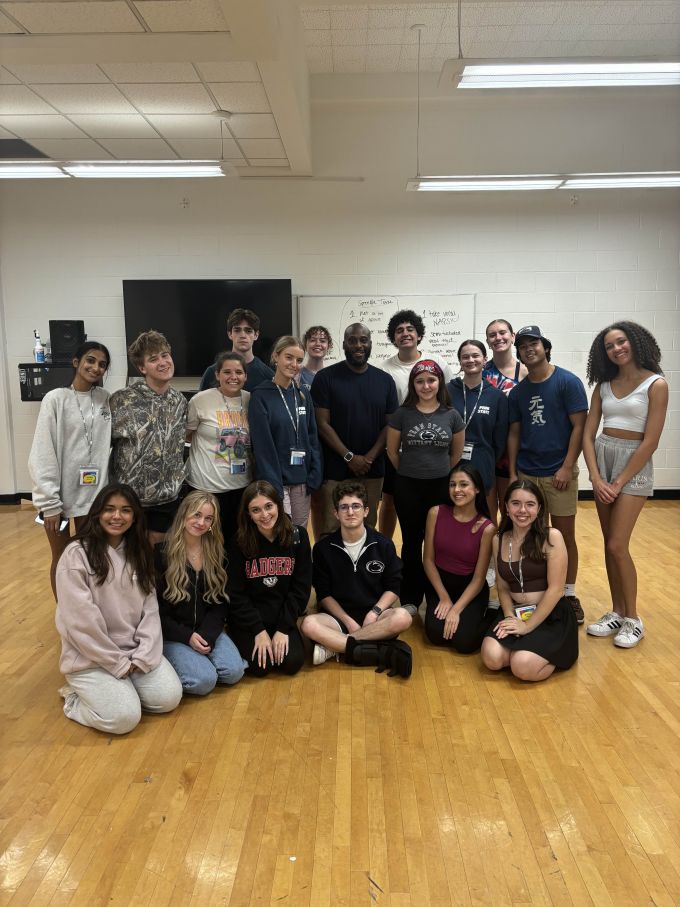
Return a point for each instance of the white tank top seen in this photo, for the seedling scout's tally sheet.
(630, 412)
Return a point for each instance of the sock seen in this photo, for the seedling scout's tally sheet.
(570, 589)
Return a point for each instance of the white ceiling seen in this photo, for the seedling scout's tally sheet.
(101, 79)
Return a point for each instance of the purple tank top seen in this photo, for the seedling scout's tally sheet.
(456, 546)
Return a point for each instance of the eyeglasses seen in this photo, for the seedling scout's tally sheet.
(344, 508)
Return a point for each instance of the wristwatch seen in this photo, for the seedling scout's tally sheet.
(348, 456)
(376, 610)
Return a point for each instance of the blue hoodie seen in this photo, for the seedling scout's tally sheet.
(272, 435)
(487, 430)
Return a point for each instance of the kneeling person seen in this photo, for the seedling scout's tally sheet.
(356, 576)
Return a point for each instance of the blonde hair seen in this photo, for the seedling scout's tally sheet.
(212, 549)
(281, 344)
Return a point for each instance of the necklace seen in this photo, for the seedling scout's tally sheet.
(518, 579)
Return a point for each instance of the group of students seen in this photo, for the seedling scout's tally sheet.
(139, 626)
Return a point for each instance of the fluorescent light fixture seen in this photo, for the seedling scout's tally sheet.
(143, 169)
(17, 171)
(559, 73)
(482, 183)
(668, 180)
(535, 181)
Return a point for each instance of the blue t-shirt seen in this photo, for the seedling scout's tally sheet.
(358, 403)
(543, 408)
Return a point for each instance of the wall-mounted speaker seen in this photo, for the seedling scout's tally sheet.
(65, 338)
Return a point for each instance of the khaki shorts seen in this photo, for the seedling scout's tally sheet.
(558, 503)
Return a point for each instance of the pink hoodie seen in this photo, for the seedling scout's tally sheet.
(110, 626)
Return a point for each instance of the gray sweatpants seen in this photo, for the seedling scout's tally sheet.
(97, 699)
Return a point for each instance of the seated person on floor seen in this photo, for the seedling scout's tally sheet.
(356, 576)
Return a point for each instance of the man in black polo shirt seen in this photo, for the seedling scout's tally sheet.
(352, 400)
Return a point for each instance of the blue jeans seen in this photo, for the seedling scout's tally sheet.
(199, 673)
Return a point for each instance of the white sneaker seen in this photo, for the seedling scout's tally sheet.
(609, 624)
(630, 633)
(491, 577)
(322, 654)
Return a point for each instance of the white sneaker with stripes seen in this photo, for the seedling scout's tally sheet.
(630, 633)
(609, 624)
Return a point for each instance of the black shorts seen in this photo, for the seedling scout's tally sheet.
(159, 517)
(389, 478)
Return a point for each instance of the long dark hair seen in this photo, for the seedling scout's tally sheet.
(481, 505)
(538, 535)
(85, 348)
(643, 346)
(138, 553)
(248, 537)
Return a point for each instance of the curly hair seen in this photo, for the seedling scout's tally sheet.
(405, 316)
(318, 329)
(644, 347)
(212, 549)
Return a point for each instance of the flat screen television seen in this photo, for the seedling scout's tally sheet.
(193, 315)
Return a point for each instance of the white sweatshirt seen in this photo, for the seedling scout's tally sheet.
(60, 448)
(110, 626)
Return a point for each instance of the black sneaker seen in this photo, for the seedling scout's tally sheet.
(578, 610)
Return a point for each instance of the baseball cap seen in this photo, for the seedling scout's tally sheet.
(533, 331)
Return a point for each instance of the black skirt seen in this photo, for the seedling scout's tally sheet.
(556, 639)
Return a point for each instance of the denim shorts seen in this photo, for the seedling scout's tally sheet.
(613, 454)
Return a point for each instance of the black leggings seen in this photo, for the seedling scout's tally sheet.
(291, 664)
(412, 499)
(475, 619)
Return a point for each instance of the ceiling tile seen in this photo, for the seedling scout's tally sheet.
(181, 15)
(386, 17)
(19, 99)
(241, 97)
(353, 17)
(58, 74)
(431, 17)
(170, 98)
(139, 149)
(71, 149)
(186, 126)
(253, 126)
(349, 56)
(6, 77)
(230, 71)
(262, 148)
(114, 126)
(385, 36)
(41, 127)
(268, 162)
(77, 17)
(206, 149)
(86, 98)
(316, 18)
(348, 37)
(318, 38)
(150, 72)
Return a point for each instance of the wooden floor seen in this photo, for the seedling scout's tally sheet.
(341, 786)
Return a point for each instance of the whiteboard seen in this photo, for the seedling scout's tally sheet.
(448, 320)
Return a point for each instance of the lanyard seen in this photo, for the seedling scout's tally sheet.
(520, 578)
(88, 438)
(296, 421)
(474, 409)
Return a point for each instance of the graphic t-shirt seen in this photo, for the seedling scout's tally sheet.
(220, 454)
(543, 408)
(425, 440)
